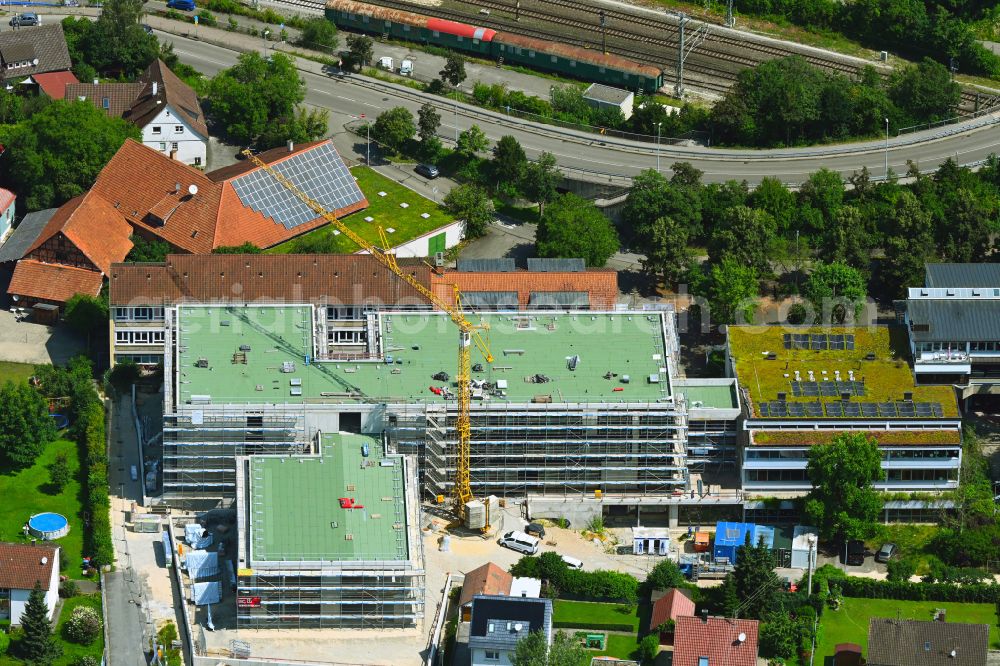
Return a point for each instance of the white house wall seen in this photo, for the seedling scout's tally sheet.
(420, 247)
(192, 148)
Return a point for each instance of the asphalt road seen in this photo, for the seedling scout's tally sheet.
(345, 97)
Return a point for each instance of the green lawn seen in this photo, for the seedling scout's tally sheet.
(385, 211)
(16, 372)
(621, 646)
(849, 624)
(26, 494)
(73, 651)
(598, 613)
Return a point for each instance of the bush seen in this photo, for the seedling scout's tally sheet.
(906, 591)
(68, 588)
(83, 626)
(596, 585)
(649, 647)
(900, 570)
(85, 660)
(596, 626)
(4, 642)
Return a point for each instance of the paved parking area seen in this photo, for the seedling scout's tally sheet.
(28, 342)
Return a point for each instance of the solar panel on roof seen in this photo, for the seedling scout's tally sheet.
(923, 409)
(779, 408)
(836, 342)
(787, 339)
(906, 409)
(765, 409)
(501, 265)
(869, 409)
(539, 265)
(319, 173)
(887, 409)
(834, 409)
(828, 389)
(818, 342)
(852, 409)
(796, 388)
(937, 409)
(814, 409)
(796, 409)
(849, 341)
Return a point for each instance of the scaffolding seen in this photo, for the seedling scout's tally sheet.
(549, 448)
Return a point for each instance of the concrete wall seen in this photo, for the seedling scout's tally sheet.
(419, 246)
(578, 512)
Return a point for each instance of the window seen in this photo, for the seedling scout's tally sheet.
(702, 661)
(554, 59)
(197, 161)
(178, 129)
(106, 103)
(572, 63)
(492, 655)
(156, 129)
(139, 337)
(163, 146)
(173, 146)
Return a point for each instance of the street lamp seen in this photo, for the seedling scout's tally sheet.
(811, 538)
(264, 36)
(658, 147)
(887, 148)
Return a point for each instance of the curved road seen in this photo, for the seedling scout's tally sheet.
(609, 159)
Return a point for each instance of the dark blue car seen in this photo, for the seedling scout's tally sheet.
(183, 5)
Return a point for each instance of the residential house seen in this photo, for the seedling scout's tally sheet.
(21, 566)
(491, 580)
(668, 605)
(36, 57)
(72, 254)
(954, 327)
(24, 235)
(165, 108)
(499, 622)
(715, 641)
(141, 191)
(7, 199)
(894, 642)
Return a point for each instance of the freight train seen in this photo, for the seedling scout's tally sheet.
(505, 47)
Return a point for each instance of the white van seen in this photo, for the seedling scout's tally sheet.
(385, 62)
(519, 541)
(406, 67)
(572, 562)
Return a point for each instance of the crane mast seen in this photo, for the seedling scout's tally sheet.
(468, 331)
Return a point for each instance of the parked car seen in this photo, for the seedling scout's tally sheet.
(572, 562)
(519, 541)
(886, 552)
(24, 20)
(536, 529)
(183, 5)
(427, 170)
(854, 553)
(148, 28)
(406, 67)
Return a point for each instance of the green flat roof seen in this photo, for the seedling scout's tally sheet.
(713, 396)
(294, 503)
(421, 345)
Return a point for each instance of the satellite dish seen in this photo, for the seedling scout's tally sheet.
(192, 189)
(35, 62)
(953, 654)
(45, 560)
(517, 627)
(742, 638)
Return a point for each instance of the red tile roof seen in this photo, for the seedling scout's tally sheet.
(21, 565)
(54, 84)
(52, 282)
(6, 199)
(487, 579)
(600, 283)
(170, 91)
(335, 279)
(717, 638)
(94, 228)
(670, 606)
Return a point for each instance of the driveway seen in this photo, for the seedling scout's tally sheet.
(125, 620)
(27, 342)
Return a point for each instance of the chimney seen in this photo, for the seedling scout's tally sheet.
(96, 82)
(291, 145)
(941, 615)
(704, 616)
(173, 154)
(156, 88)
(177, 188)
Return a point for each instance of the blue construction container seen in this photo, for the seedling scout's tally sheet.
(730, 536)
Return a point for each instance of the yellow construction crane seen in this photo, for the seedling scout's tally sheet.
(468, 332)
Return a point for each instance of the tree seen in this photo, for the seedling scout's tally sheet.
(665, 575)
(360, 51)
(319, 32)
(25, 425)
(393, 128)
(667, 252)
(147, 250)
(772, 196)
(431, 149)
(779, 636)
(509, 163)
(428, 122)
(848, 240)
(924, 92)
(123, 375)
(541, 178)
(820, 197)
(471, 142)
(83, 625)
(37, 644)
(746, 235)
(57, 153)
(649, 647)
(652, 197)
(302, 126)
(245, 248)
(116, 43)
(842, 503)
(685, 175)
(86, 314)
(251, 98)
(754, 580)
(454, 69)
(474, 205)
(836, 290)
(574, 227)
(733, 291)
(908, 244)
(59, 473)
(533, 651)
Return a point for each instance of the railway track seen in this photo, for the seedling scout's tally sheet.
(713, 67)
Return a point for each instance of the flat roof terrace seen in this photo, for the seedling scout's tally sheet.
(812, 368)
(257, 355)
(295, 508)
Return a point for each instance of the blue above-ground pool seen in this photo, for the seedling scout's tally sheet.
(48, 526)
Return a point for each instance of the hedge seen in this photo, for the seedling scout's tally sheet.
(93, 440)
(907, 591)
(596, 626)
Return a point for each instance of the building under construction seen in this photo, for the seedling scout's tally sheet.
(329, 539)
(573, 403)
